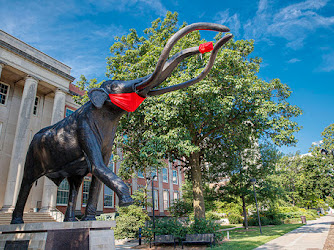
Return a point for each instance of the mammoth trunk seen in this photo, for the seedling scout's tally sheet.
(196, 178)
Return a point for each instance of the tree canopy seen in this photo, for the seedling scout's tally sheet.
(205, 125)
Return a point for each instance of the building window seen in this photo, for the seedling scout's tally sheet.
(68, 112)
(62, 193)
(165, 175)
(154, 173)
(156, 200)
(108, 195)
(85, 190)
(176, 196)
(4, 91)
(140, 174)
(175, 177)
(35, 110)
(166, 199)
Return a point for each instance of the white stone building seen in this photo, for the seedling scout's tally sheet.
(35, 92)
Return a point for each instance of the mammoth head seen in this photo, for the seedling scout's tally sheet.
(128, 95)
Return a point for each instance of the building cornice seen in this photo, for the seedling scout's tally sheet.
(35, 60)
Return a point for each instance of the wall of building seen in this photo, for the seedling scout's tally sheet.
(21, 64)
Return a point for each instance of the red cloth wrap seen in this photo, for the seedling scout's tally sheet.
(127, 101)
(205, 47)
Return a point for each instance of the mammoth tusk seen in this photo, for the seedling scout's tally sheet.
(206, 70)
(173, 62)
(171, 42)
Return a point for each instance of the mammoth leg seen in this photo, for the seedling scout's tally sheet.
(74, 182)
(93, 198)
(92, 150)
(32, 171)
(114, 183)
(17, 216)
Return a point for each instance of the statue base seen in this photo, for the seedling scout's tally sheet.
(58, 235)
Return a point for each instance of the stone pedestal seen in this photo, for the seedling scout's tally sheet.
(59, 235)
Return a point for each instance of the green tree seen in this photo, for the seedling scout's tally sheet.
(257, 161)
(306, 180)
(85, 85)
(201, 125)
(197, 124)
(328, 137)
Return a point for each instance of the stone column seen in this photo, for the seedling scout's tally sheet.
(1, 66)
(20, 144)
(180, 181)
(161, 199)
(171, 188)
(50, 189)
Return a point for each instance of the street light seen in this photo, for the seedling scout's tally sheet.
(152, 179)
(253, 181)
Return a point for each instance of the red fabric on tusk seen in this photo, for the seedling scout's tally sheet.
(205, 47)
(127, 101)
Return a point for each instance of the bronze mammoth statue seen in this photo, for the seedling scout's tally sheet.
(81, 143)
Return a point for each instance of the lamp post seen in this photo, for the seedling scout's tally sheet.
(253, 181)
(152, 179)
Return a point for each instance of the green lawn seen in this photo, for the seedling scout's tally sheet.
(241, 239)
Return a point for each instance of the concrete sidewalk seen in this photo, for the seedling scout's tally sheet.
(126, 244)
(313, 236)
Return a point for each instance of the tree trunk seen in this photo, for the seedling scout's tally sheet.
(196, 178)
(244, 211)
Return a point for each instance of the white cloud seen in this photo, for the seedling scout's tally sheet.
(294, 22)
(232, 22)
(130, 5)
(328, 62)
(293, 60)
(317, 143)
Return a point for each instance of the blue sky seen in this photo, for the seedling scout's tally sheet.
(294, 38)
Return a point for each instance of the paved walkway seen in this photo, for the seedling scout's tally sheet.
(121, 245)
(313, 236)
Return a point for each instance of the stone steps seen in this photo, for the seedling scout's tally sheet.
(5, 218)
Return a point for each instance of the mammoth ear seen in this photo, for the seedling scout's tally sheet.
(97, 96)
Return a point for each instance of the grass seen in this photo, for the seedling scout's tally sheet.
(242, 239)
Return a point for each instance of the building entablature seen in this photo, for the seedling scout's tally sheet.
(20, 60)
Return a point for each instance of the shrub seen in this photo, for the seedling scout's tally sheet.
(254, 221)
(212, 216)
(203, 226)
(235, 218)
(129, 221)
(296, 212)
(280, 215)
(179, 230)
(228, 207)
(180, 208)
(166, 226)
